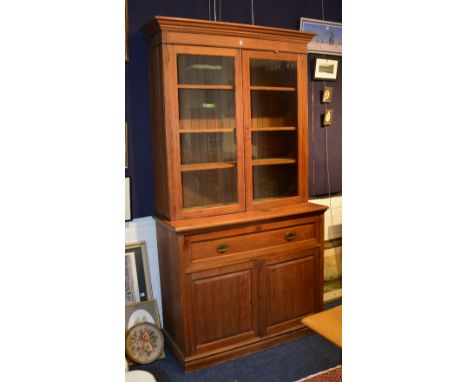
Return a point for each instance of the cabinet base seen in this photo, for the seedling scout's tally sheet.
(201, 361)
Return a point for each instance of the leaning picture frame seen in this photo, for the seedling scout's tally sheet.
(328, 36)
(138, 312)
(325, 69)
(137, 275)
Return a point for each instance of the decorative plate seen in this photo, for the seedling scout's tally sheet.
(144, 343)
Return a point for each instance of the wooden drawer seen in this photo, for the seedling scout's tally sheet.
(253, 237)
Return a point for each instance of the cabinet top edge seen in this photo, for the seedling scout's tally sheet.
(189, 225)
(176, 24)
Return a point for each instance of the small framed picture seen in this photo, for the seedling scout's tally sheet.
(137, 276)
(327, 93)
(325, 69)
(128, 198)
(327, 117)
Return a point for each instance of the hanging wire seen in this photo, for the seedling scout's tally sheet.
(209, 9)
(220, 6)
(252, 10)
(214, 7)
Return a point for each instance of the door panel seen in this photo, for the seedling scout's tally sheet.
(289, 289)
(273, 119)
(208, 117)
(224, 306)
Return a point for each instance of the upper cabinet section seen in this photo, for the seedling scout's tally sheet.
(228, 116)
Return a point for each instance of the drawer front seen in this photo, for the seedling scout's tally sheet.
(228, 245)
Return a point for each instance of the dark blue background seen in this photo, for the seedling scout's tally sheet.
(274, 13)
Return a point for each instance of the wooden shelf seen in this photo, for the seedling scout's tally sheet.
(189, 131)
(272, 161)
(274, 88)
(207, 166)
(279, 128)
(207, 87)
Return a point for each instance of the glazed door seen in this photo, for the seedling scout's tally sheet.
(209, 139)
(291, 288)
(224, 307)
(275, 131)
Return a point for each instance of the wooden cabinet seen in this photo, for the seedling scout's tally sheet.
(240, 249)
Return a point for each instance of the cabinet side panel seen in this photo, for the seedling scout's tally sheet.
(158, 137)
(171, 290)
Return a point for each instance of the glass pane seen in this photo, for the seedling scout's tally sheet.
(273, 73)
(205, 70)
(275, 181)
(277, 144)
(207, 109)
(208, 147)
(273, 108)
(209, 187)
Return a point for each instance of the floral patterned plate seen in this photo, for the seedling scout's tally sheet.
(144, 343)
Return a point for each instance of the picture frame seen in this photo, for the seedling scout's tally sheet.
(126, 31)
(327, 117)
(144, 343)
(145, 311)
(126, 145)
(128, 199)
(325, 69)
(137, 276)
(328, 36)
(327, 94)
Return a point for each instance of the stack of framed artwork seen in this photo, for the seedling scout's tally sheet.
(140, 306)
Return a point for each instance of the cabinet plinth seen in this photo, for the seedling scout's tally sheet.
(240, 249)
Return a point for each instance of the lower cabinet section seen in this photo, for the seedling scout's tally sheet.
(247, 298)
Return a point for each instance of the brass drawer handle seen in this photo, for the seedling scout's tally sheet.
(291, 235)
(223, 247)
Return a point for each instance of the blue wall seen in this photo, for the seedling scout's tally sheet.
(274, 13)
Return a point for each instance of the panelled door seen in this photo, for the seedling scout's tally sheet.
(209, 131)
(224, 306)
(288, 285)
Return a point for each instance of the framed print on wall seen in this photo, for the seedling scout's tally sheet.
(328, 38)
(128, 199)
(137, 276)
(328, 117)
(327, 94)
(325, 69)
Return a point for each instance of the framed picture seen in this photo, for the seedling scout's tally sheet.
(328, 38)
(327, 94)
(128, 199)
(143, 311)
(138, 312)
(327, 117)
(126, 145)
(137, 276)
(144, 343)
(126, 30)
(325, 69)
